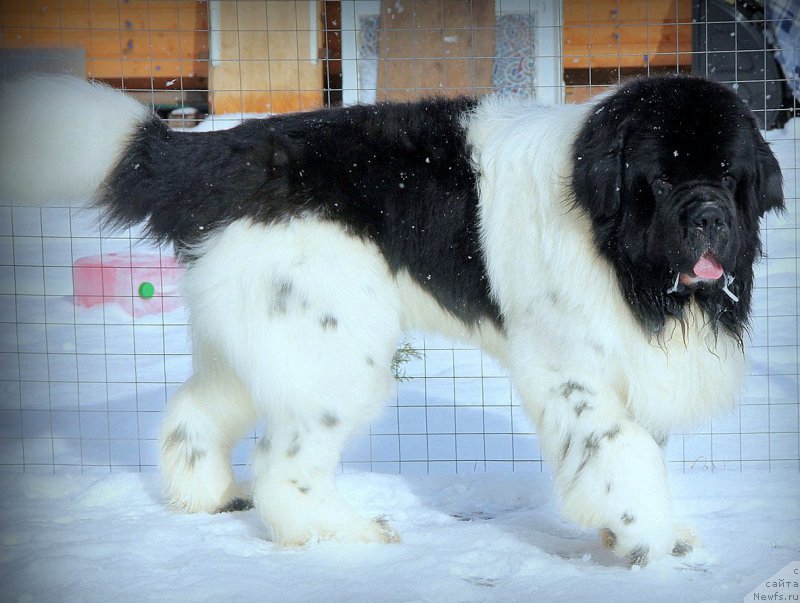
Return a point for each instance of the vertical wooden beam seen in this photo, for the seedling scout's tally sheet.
(265, 63)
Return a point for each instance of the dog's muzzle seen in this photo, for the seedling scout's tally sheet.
(708, 235)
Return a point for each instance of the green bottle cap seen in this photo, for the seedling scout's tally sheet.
(146, 290)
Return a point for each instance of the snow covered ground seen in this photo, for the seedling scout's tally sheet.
(481, 537)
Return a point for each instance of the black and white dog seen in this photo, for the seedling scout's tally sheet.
(602, 252)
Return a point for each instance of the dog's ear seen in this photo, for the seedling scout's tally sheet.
(769, 181)
(597, 155)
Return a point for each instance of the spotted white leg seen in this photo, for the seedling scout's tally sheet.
(310, 329)
(610, 472)
(203, 421)
(295, 492)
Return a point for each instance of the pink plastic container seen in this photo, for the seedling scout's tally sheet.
(141, 283)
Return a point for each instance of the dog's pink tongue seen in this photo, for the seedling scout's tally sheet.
(708, 267)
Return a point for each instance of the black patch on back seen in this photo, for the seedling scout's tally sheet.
(396, 174)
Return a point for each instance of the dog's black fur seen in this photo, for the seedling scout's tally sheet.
(400, 175)
(397, 174)
(649, 155)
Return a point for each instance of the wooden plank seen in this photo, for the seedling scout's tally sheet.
(614, 12)
(633, 59)
(74, 14)
(136, 38)
(581, 94)
(435, 48)
(638, 33)
(627, 46)
(227, 82)
(265, 65)
(647, 37)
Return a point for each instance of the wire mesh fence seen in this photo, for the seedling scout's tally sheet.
(94, 337)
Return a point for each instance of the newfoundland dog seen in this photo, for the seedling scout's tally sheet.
(602, 252)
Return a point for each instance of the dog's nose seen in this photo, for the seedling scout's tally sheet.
(708, 216)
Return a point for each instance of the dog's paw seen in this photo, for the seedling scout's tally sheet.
(637, 548)
(386, 534)
(638, 542)
(686, 540)
(633, 555)
(377, 531)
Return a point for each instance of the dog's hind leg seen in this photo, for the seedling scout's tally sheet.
(295, 463)
(203, 421)
(310, 324)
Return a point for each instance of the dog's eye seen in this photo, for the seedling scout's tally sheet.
(661, 186)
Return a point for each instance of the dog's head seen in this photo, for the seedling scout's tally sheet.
(675, 175)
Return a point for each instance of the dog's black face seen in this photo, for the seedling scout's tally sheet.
(675, 175)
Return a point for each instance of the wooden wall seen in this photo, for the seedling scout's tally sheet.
(266, 61)
(268, 57)
(145, 43)
(613, 38)
(435, 48)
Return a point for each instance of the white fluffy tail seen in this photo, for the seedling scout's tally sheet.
(60, 137)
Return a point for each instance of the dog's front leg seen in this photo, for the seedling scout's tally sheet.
(610, 472)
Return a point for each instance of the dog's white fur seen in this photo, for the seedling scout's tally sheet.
(90, 123)
(569, 337)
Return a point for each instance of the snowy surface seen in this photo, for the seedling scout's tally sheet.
(479, 537)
